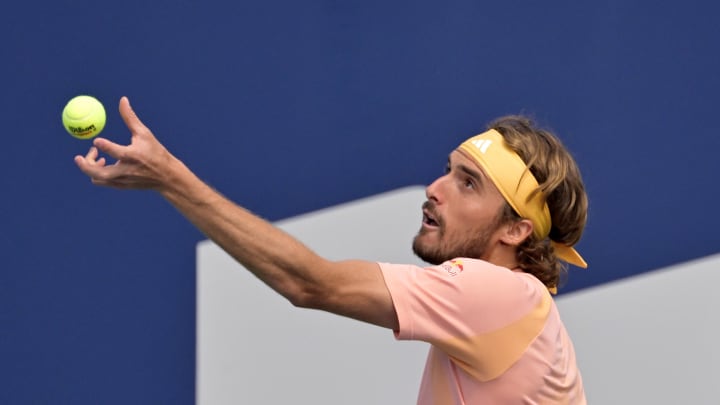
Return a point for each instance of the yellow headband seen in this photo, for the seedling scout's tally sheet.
(513, 178)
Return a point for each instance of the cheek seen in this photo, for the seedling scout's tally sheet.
(468, 225)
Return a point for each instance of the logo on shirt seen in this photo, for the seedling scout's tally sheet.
(453, 267)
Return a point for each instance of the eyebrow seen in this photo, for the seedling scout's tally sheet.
(479, 177)
(470, 172)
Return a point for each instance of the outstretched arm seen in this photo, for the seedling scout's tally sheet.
(350, 288)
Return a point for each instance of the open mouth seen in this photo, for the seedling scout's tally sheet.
(429, 220)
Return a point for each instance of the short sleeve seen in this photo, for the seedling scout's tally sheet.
(469, 308)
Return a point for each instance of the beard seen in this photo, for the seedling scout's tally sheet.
(473, 245)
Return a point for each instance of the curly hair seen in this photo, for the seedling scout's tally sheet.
(560, 182)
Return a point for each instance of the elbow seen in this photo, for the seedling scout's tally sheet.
(300, 300)
(310, 289)
(307, 297)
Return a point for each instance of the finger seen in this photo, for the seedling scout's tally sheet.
(89, 157)
(117, 151)
(131, 119)
(98, 172)
(92, 154)
(89, 166)
(85, 165)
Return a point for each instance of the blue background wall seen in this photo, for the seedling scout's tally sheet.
(288, 107)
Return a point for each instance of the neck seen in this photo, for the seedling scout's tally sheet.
(502, 255)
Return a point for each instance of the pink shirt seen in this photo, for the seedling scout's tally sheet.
(496, 336)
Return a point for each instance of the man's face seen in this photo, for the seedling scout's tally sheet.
(461, 215)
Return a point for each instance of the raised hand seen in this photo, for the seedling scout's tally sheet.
(143, 164)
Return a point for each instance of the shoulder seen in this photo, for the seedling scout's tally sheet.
(500, 283)
(473, 292)
(478, 277)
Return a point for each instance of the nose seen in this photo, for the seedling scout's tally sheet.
(434, 190)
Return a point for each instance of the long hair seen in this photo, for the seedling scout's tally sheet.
(560, 181)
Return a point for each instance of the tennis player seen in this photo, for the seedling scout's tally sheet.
(497, 230)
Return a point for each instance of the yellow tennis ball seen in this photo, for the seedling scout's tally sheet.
(84, 117)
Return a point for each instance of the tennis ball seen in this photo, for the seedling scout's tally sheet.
(84, 117)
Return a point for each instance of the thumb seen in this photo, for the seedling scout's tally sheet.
(131, 119)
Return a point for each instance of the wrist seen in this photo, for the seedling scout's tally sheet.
(180, 184)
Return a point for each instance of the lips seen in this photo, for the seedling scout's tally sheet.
(429, 217)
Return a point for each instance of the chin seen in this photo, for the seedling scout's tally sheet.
(426, 253)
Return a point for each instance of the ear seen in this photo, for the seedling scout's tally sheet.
(516, 232)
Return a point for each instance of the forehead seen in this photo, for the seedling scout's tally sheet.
(458, 158)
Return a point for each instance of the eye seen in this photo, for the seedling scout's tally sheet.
(447, 168)
(469, 183)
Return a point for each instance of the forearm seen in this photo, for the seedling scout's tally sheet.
(351, 288)
(275, 257)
